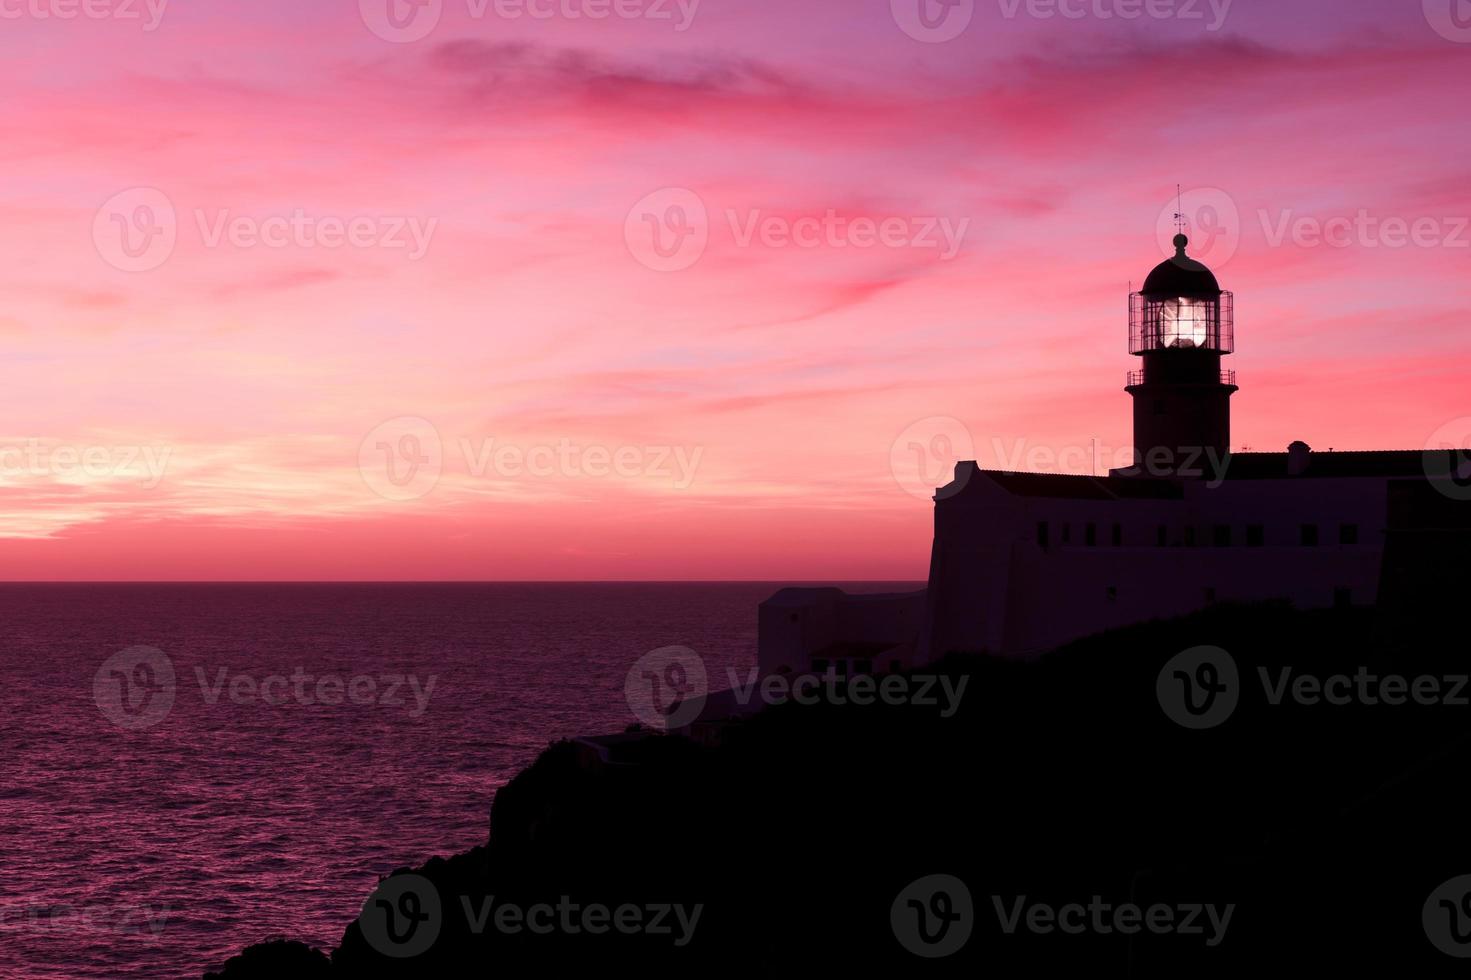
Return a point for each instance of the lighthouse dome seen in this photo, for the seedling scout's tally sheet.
(1180, 275)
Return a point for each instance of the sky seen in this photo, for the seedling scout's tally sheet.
(662, 290)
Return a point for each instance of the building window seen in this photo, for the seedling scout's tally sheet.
(1222, 535)
(1190, 537)
(1310, 535)
(1256, 535)
(1112, 592)
(1090, 534)
(1118, 535)
(1044, 534)
(1348, 534)
(1164, 536)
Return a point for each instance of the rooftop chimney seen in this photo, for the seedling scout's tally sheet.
(1298, 456)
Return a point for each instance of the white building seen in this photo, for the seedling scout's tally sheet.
(1023, 562)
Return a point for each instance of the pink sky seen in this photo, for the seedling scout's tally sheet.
(214, 410)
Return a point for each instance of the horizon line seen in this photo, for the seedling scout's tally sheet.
(713, 581)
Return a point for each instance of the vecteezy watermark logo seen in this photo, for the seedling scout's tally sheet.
(680, 13)
(122, 919)
(832, 230)
(136, 229)
(666, 688)
(134, 688)
(1182, 10)
(933, 917)
(594, 918)
(674, 463)
(401, 21)
(1447, 459)
(1364, 230)
(668, 230)
(1199, 688)
(402, 458)
(1364, 688)
(410, 234)
(923, 456)
(1447, 917)
(917, 690)
(1103, 918)
(1210, 219)
(40, 459)
(152, 10)
(137, 687)
(1206, 463)
(383, 690)
(1451, 19)
(933, 21)
(402, 918)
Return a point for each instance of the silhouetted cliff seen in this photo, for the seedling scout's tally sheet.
(1326, 826)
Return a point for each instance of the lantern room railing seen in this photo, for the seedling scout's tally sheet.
(1137, 378)
(1182, 323)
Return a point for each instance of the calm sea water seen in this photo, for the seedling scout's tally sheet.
(160, 850)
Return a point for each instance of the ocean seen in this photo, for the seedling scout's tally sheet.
(311, 739)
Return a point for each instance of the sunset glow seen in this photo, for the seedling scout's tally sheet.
(657, 298)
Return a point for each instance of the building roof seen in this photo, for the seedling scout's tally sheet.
(853, 649)
(801, 597)
(1372, 463)
(1061, 485)
(1380, 464)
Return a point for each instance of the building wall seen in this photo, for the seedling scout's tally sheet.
(996, 587)
(795, 624)
(791, 624)
(1425, 579)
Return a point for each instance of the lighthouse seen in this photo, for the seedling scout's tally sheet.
(1022, 563)
(1180, 325)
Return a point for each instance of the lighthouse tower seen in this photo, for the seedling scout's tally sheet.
(1180, 325)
